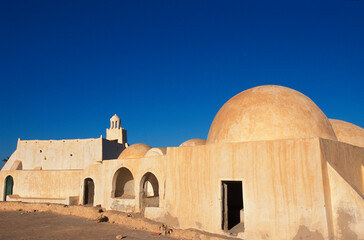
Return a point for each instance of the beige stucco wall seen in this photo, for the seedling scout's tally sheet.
(43, 184)
(103, 175)
(346, 181)
(347, 208)
(282, 186)
(347, 159)
(292, 188)
(56, 154)
(138, 167)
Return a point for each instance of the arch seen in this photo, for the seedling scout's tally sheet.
(88, 191)
(123, 184)
(149, 191)
(9, 184)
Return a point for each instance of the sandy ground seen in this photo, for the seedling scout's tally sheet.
(21, 225)
(57, 221)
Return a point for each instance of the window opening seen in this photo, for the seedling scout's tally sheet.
(149, 191)
(123, 184)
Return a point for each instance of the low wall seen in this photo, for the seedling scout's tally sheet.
(72, 200)
(43, 183)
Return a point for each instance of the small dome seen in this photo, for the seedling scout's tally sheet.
(115, 118)
(156, 152)
(193, 142)
(137, 150)
(348, 132)
(268, 113)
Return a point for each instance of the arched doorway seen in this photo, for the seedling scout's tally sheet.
(149, 191)
(89, 192)
(9, 183)
(123, 184)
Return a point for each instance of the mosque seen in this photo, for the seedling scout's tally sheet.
(273, 166)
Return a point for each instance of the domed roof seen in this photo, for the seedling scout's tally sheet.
(193, 142)
(268, 113)
(348, 132)
(156, 152)
(115, 118)
(137, 150)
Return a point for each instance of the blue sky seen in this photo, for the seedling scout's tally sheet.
(166, 67)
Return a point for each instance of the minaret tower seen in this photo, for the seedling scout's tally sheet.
(116, 132)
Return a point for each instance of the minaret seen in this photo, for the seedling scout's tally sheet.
(116, 132)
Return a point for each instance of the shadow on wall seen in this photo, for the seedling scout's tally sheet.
(111, 149)
(123, 184)
(336, 154)
(168, 218)
(345, 178)
(17, 165)
(344, 220)
(305, 233)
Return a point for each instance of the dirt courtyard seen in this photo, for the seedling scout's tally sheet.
(21, 225)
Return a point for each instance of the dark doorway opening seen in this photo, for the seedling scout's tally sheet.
(89, 192)
(9, 183)
(232, 206)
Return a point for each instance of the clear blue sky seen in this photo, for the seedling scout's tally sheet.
(166, 67)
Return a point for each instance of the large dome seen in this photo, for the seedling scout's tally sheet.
(348, 132)
(268, 113)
